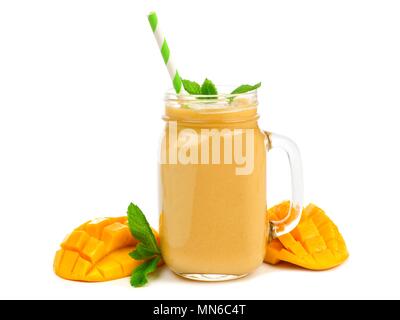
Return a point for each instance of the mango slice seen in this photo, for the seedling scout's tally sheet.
(315, 243)
(97, 251)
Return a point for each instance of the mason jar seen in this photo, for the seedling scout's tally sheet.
(213, 221)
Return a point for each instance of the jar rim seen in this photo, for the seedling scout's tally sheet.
(224, 95)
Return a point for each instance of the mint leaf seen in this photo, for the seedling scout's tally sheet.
(246, 88)
(141, 230)
(139, 275)
(208, 88)
(141, 252)
(191, 87)
(147, 248)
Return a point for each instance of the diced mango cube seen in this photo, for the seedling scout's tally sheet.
(81, 268)
(95, 227)
(58, 258)
(110, 269)
(272, 252)
(68, 262)
(117, 235)
(292, 245)
(325, 258)
(305, 230)
(328, 231)
(316, 244)
(94, 250)
(94, 276)
(76, 240)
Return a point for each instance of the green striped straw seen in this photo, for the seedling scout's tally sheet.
(162, 44)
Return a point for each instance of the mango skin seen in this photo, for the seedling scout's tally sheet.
(97, 251)
(315, 243)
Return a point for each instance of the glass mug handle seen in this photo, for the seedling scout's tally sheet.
(288, 223)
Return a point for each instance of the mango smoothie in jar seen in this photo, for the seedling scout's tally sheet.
(213, 223)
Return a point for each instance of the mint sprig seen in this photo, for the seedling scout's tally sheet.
(208, 88)
(142, 252)
(139, 275)
(246, 88)
(191, 87)
(147, 249)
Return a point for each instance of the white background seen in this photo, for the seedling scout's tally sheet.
(81, 88)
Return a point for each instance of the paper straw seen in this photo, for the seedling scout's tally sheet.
(162, 44)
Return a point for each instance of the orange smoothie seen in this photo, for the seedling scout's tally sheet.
(213, 197)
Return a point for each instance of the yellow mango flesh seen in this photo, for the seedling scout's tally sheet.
(315, 243)
(97, 251)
